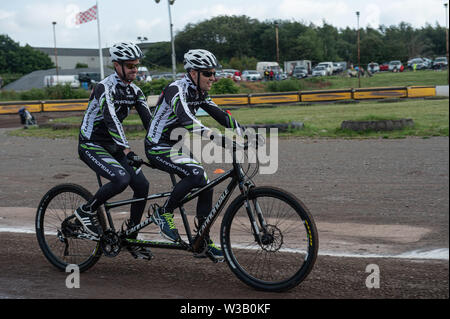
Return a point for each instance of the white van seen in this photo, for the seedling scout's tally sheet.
(262, 66)
(53, 80)
(328, 66)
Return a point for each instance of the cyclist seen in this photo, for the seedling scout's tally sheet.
(103, 145)
(176, 107)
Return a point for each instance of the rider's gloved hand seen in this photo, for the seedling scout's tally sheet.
(134, 159)
(224, 141)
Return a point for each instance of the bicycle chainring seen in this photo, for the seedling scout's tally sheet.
(110, 243)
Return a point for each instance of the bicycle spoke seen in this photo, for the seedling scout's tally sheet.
(279, 256)
(58, 230)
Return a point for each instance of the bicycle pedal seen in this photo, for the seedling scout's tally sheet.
(215, 259)
(211, 257)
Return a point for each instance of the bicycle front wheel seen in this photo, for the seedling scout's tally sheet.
(283, 253)
(60, 234)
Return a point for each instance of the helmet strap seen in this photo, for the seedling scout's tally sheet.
(123, 77)
(198, 82)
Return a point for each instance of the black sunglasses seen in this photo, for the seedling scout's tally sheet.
(208, 74)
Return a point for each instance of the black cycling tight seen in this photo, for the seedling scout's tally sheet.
(190, 171)
(115, 168)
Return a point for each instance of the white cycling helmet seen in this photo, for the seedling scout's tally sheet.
(125, 51)
(199, 59)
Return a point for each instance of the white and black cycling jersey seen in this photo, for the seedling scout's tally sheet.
(109, 104)
(177, 106)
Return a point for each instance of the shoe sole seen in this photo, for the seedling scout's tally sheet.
(168, 237)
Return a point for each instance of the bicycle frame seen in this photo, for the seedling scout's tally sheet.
(237, 178)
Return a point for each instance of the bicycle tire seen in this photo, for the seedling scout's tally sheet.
(57, 205)
(288, 259)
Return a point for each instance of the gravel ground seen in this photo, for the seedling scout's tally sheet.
(382, 202)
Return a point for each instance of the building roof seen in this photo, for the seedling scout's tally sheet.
(35, 79)
(72, 51)
(82, 52)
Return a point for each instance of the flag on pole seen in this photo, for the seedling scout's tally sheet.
(86, 16)
(89, 15)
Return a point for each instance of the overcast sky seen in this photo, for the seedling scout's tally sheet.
(30, 21)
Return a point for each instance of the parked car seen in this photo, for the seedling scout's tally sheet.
(232, 71)
(428, 63)
(251, 75)
(283, 76)
(328, 67)
(167, 76)
(219, 75)
(341, 65)
(337, 68)
(300, 72)
(320, 70)
(440, 63)
(373, 67)
(396, 66)
(233, 74)
(419, 62)
(384, 66)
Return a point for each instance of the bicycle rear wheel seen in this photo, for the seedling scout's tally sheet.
(58, 230)
(284, 253)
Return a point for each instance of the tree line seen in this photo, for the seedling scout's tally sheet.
(240, 41)
(22, 60)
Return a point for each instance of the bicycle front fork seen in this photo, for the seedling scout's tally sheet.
(259, 225)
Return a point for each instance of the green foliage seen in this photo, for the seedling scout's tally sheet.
(154, 87)
(158, 54)
(224, 86)
(240, 41)
(17, 59)
(309, 46)
(285, 86)
(226, 36)
(244, 63)
(81, 65)
(10, 77)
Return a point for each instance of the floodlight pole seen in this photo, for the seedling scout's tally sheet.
(174, 65)
(359, 56)
(56, 52)
(446, 37)
(276, 41)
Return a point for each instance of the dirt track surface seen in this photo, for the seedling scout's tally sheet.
(382, 202)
